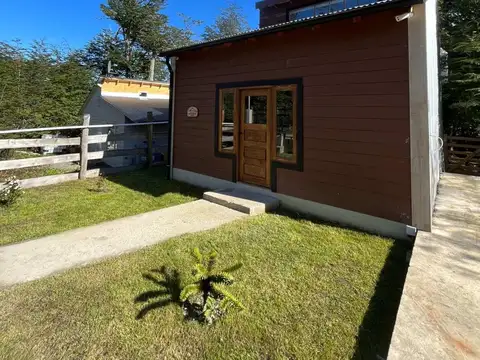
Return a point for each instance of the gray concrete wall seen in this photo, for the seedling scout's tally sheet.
(425, 145)
(433, 97)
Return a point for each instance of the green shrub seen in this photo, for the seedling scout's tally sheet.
(10, 191)
(207, 299)
(6, 154)
(101, 185)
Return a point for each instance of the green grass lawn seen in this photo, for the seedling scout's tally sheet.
(311, 291)
(53, 209)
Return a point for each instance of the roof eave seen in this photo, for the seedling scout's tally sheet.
(295, 25)
(137, 81)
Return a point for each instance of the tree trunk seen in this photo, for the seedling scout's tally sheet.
(128, 55)
(151, 75)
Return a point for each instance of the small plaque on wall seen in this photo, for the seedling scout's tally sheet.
(192, 112)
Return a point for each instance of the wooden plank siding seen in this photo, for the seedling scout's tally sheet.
(356, 110)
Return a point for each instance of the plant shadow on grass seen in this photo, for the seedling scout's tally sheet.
(154, 182)
(168, 293)
(170, 288)
(375, 332)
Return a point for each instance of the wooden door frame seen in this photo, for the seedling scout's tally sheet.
(259, 91)
(266, 84)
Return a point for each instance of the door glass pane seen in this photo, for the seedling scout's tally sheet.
(256, 109)
(284, 131)
(227, 124)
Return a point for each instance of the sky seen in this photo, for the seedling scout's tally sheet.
(75, 22)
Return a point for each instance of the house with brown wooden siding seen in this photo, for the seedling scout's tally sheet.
(330, 106)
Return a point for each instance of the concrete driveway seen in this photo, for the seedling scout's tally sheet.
(439, 314)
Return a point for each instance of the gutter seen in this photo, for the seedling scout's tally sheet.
(171, 65)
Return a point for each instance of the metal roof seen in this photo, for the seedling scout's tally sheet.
(136, 109)
(336, 15)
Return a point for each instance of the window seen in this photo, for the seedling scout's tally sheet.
(337, 5)
(276, 108)
(227, 121)
(325, 7)
(322, 8)
(256, 111)
(285, 124)
(302, 13)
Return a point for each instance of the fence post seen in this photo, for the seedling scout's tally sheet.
(149, 140)
(84, 148)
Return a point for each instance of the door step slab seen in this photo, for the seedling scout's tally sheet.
(247, 202)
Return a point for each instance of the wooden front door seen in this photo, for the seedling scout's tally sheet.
(255, 137)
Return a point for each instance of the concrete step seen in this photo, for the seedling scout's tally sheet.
(247, 202)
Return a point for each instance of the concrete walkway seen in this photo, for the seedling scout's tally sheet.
(42, 257)
(439, 314)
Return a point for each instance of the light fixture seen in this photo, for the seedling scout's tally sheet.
(404, 16)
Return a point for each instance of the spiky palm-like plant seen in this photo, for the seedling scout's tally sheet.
(208, 293)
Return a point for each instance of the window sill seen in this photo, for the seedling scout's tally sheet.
(226, 152)
(285, 161)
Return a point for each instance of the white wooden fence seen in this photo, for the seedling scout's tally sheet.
(83, 156)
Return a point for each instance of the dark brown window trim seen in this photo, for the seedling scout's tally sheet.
(298, 166)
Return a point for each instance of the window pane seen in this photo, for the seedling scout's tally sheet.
(336, 5)
(284, 132)
(256, 110)
(227, 124)
(351, 3)
(302, 13)
(326, 7)
(322, 9)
